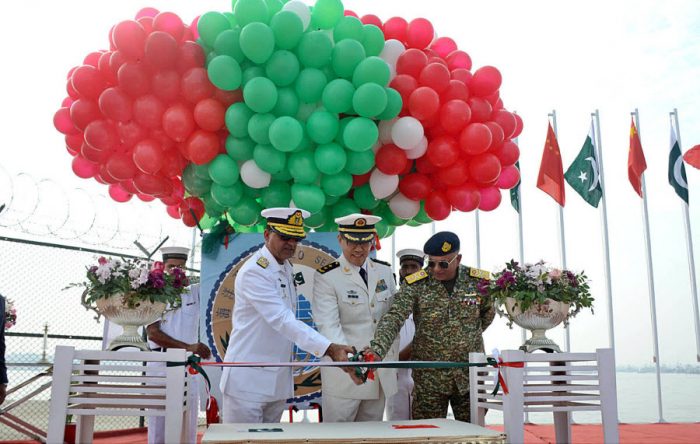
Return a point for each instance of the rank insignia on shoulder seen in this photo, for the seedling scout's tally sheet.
(263, 262)
(328, 267)
(381, 262)
(415, 277)
(478, 273)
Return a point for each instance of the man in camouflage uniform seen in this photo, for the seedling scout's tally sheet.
(450, 316)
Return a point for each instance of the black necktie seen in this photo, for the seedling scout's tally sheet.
(363, 274)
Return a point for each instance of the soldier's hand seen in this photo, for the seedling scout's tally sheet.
(339, 353)
(368, 350)
(200, 350)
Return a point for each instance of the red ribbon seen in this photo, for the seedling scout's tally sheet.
(501, 379)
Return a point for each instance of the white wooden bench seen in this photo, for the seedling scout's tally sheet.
(560, 383)
(88, 383)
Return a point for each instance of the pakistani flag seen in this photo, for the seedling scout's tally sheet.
(515, 192)
(676, 169)
(583, 173)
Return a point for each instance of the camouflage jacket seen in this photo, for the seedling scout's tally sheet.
(448, 326)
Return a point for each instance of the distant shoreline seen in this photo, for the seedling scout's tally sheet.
(681, 369)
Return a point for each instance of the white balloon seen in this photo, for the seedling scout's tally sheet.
(407, 132)
(385, 130)
(253, 176)
(404, 207)
(383, 185)
(418, 150)
(392, 51)
(301, 9)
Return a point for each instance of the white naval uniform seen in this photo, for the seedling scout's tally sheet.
(265, 329)
(347, 311)
(398, 407)
(183, 325)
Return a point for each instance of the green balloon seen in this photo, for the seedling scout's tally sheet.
(382, 228)
(246, 211)
(348, 27)
(364, 198)
(372, 69)
(337, 96)
(322, 126)
(344, 207)
(194, 184)
(236, 118)
(251, 192)
(330, 158)
(310, 84)
(328, 227)
(360, 134)
(240, 149)
(306, 143)
(303, 168)
(308, 197)
(346, 55)
(331, 200)
(287, 102)
(211, 206)
(394, 103)
(251, 72)
(223, 170)
(373, 40)
(286, 133)
(283, 176)
(259, 128)
(314, 49)
(231, 18)
(257, 42)
(210, 25)
(250, 11)
(269, 159)
(390, 232)
(260, 94)
(282, 68)
(422, 216)
(228, 43)
(206, 48)
(225, 196)
(305, 111)
(413, 223)
(277, 194)
(327, 13)
(274, 6)
(224, 72)
(201, 171)
(318, 219)
(393, 219)
(359, 162)
(337, 184)
(369, 99)
(287, 28)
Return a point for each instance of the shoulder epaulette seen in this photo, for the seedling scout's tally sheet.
(328, 267)
(479, 273)
(415, 277)
(381, 262)
(263, 262)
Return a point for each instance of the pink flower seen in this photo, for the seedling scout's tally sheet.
(555, 273)
(158, 265)
(102, 260)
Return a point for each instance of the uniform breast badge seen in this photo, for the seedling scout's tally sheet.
(381, 286)
(263, 262)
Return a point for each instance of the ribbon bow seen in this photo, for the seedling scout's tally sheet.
(363, 373)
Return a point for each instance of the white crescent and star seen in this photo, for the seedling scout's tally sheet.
(594, 167)
(677, 172)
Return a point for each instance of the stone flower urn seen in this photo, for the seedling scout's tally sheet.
(538, 318)
(117, 311)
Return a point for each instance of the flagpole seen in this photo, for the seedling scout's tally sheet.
(606, 245)
(562, 241)
(689, 245)
(393, 253)
(521, 243)
(478, 239)
(650, 281)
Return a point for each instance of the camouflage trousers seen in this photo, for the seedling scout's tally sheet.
(429, 403)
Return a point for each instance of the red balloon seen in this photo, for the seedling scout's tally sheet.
(465, 197)
(454, 116)
(486, 80)
(423, 103)
(350, 13)
(105, 68)
(63, 123)
(191, 56)
(161, 50)
(130, 133)
(390, 159)
(147, 24)
(461, 74)
(435, 76)
(419, 33)
(360, 179)
(104, 177)
(408, 168)
(484, 168)
(459, 59)
(456, 90)
(371, 19)
(437, 206)
(133, 79)
(178, 122)
(83, 168)
(454, 174)
(88, 82)
(496, 135)
(509, 177)
(490, 198)
(129, 37)
(145, 197)
(173, 211)
(209, 114)
(506, 121)
(147, 156)
(115, 104)
(84, 111)
(411, 62)
(425, 166)
(395, 28)
(92, 59)
(74, 142)
(518, 126)
(443, 46)
(202, 146)
(481, 109)
(152, 185)
(192, 203)
(146, 12)
(415, 186)
(101, 135)
(172, 164)
(93, 155)
(118, 194)
(169, 22)
(475, 138)
(128, 186)
(442, 151)
(67, 102)
(166, 85)
(121, 166)
(148, 111)
(405, 85)
(195, 85)
(508, 153)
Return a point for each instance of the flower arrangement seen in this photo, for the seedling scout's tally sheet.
(135, 280)
(10, 314)
(532, 284)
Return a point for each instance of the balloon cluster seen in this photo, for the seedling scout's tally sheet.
(137, 114)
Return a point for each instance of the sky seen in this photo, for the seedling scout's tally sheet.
(570, 57)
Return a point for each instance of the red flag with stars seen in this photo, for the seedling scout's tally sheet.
(551, 176)
(636, 163)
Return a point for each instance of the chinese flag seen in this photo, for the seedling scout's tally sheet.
(692, 156)
(636, 163)
(551, 177)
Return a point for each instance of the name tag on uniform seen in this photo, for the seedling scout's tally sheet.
(352, 294)
(381, 286)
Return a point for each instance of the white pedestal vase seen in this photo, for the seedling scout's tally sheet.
(130, 319)
(538, 318)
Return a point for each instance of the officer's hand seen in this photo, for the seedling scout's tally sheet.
(200, 350)
(368, 350)
(339, 353)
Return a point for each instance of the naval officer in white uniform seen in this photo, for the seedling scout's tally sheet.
(178, 329)
(350, 296)
(265, 327)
